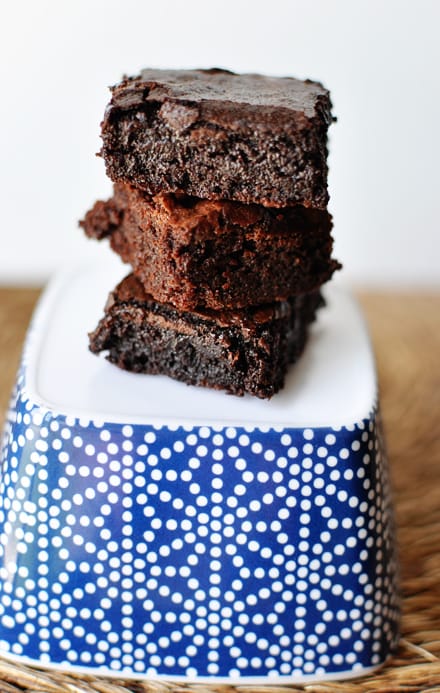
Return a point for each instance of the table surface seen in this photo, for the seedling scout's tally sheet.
(405, 329)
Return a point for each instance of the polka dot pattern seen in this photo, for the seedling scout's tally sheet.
(195, 551)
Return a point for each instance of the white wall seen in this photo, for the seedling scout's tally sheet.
(379, 58)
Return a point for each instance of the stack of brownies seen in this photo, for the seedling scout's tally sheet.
(220, 207)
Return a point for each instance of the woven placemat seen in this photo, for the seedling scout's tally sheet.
(406, 336)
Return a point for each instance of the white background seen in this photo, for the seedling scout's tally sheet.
(379, 58)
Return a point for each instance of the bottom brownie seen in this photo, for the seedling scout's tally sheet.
(246, 351)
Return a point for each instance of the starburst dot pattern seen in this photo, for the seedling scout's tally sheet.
(195, 551)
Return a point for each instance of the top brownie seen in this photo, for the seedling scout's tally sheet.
(214, 134)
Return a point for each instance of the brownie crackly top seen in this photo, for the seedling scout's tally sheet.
(218, 135)
(227, 93)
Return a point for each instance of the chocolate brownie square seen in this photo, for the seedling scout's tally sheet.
(215, 134)
(216, 254)
(238, 351)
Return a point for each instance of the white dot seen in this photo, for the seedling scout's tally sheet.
(292, 452)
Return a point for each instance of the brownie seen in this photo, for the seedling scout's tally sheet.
(216, 254)
(241, 352)
(215, 134)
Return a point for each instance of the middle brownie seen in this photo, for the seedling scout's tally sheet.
(215, 254)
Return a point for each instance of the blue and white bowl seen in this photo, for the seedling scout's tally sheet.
(152, 529)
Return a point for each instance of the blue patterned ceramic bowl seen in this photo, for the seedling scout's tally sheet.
(151, 529)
